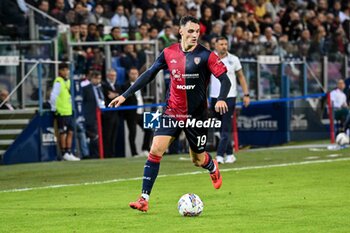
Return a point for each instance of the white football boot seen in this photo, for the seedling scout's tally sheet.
(230, 159)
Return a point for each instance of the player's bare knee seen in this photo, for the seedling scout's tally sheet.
(196, 162)
(157, 150)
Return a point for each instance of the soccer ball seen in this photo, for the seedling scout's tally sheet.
(190, 205)
(342, 139)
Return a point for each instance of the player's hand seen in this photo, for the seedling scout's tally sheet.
(221, 107)
(116, 102)
(246, 101)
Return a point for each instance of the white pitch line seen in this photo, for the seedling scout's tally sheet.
(179, 174)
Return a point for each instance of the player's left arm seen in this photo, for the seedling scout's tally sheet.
(218, 69)
(243, 83)
(221, 105)
(145, 78)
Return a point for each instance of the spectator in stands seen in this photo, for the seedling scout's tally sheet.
(176, 34)
(238, 41)
(284, 47)
(101, 31)
(194, 8)
(63, 40)
(260, 9)
(83, 31)
(295, 26)
(81, 12)
(135, 20)
(253, 24)
(180, 12)
(344, 14)
(319, 44)
(110, 118)
(134, 117)
(97, 17)
(119, 19)
(93, 98)
(95, 59)
(93, 33)
(212, 43)
(41, 19)
(131, 58)
(249, 6)
(153, 33)
(269, 41)
(312, 22)
(227, 32)
(273, 7)
(142, 33)
(337, 43)
(206, 21)
(304, 43)
(4, 100)
(148, 16)
(12, 19)
(277, 30)
(193, 12)
(265, 21)
(215, 32)
(58, 12)
(222, 6)
(115, 35)
(61, 105)
(159, 19)
(167, 38)
(330, 24)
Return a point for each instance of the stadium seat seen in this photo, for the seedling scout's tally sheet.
(116, 62)
(120, 75)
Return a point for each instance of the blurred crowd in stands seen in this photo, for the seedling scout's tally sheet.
(309, 28)
(286, 28)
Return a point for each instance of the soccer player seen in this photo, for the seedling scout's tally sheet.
(234, 68)
(190, 66)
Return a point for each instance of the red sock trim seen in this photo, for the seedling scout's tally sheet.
(154, 158)
(206, 159)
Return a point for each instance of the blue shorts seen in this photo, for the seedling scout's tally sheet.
(196, 136)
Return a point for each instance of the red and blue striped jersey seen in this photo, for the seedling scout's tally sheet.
(189, 79)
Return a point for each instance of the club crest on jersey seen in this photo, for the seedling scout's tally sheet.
(197, 60)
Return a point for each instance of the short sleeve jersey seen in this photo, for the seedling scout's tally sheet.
(233, 65)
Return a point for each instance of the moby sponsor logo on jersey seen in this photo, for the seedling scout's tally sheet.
(185, 87)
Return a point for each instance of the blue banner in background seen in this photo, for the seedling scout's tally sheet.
(49, 142)
(36, 143)
(263, 125)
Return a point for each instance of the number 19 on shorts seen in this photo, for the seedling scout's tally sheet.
(201, 140)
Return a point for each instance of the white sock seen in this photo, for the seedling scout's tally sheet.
(145, 196)
(214, 169)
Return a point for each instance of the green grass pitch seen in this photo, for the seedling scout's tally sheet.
(270, 190)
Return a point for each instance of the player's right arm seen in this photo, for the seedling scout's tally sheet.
(54, 94)
(142, 81)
